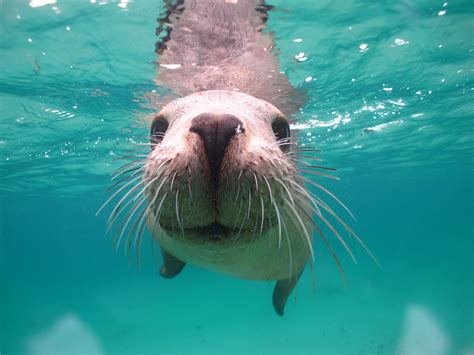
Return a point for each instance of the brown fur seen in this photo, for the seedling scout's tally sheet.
(220, 45)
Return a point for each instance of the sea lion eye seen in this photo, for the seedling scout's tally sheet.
(281, 129)
(157, 130)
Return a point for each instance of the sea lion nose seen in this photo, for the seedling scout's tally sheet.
(216, 130)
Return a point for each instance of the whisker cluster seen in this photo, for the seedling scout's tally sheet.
(129, 197)
(266, 201)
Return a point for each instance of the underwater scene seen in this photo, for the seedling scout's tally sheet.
(389, 92)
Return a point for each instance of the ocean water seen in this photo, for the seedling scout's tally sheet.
(391, 105)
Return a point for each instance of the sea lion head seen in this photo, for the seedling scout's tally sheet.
(219, 168)
(222, 188)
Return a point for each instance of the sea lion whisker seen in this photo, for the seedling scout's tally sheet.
(132, 230)
(290, 255)
(130, 156)
(133, 172)
(308, 165)
(238, 186)
(350, 232)
(286, 189)
(119, 208)
(123, 179)
(279, 222)
(189, 185)
(269, 188)
(254, 230)
(160, 165)
(256, 181)
(284, 142)
(141, 228)
(318, 173)
(158, 211)
(161, 185)
(269, 217)
(317, 198)
(299, 146)
(325, 240)
(331, 227)
(138, 239)
(333, 254)
(250, 204)
(146, 186)
(177, 207)
(330, 194)
(263, 214)
(301, 224)
(156, 134)
(245, 217)
(298, 150)
(123, 226)
(126, 221)
(153, 253)
(190, 192)
(149, 136)
(241, 226)
(115, 194)
(182, 221)
(338, 235)
(152, 202)
(127, 165)
(237, 194)
(172, 181)
(301, 189)
(172, 225)
(295, 156)
(238, 214)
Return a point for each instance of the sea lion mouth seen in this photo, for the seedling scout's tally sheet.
(214, 231)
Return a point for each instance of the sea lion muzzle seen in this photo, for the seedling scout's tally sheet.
(216, 130)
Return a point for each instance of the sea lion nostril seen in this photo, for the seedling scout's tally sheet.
(216, 130)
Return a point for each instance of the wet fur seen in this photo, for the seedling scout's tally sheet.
(221, 45)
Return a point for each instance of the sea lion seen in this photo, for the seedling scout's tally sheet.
(224, 194)
(221, 187)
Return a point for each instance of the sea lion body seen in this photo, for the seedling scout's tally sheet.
(222, 188)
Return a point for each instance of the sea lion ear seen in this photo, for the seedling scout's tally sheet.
(282, 291)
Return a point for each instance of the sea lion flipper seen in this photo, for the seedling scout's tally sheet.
(282, 291)
(172, 266)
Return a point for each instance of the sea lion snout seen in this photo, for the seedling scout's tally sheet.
(216, 130)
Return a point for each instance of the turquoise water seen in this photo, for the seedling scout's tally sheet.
(391, 89)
